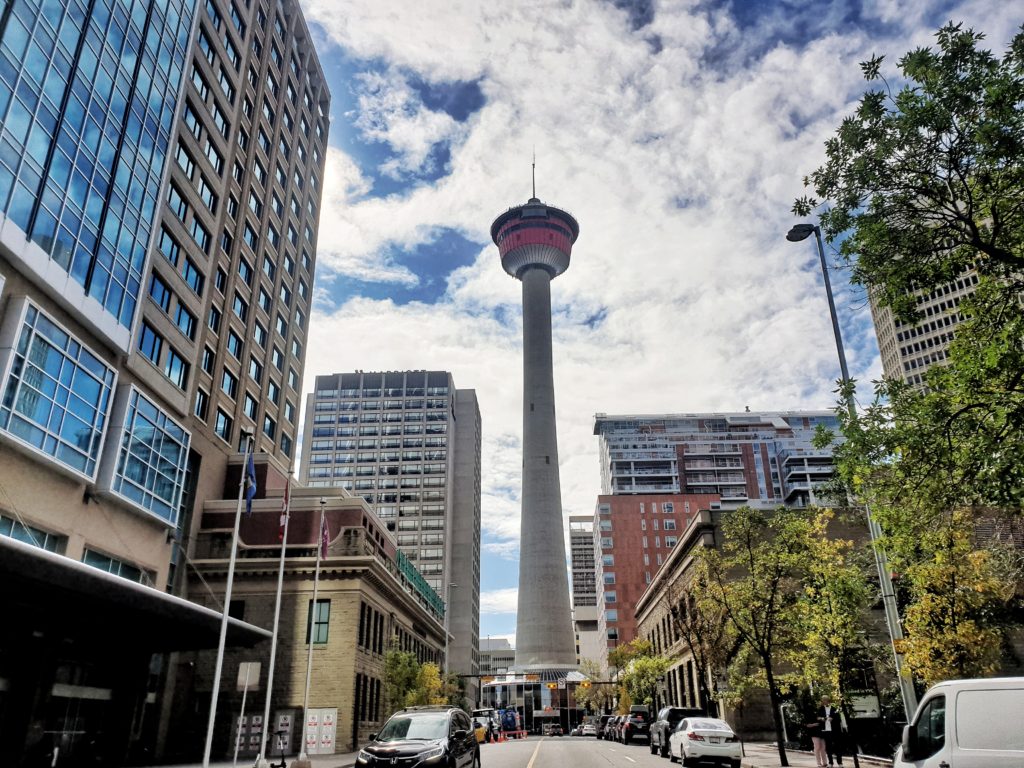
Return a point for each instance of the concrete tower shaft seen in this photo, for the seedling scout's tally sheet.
(535, 244)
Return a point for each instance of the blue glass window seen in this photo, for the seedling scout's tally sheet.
(114, 566)
(176, 369)
(88, 133)
(151, 462)
(57, 394)
(235, 345)
(150, 343)
(29, 534)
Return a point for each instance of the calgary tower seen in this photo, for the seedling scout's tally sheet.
(535, 242)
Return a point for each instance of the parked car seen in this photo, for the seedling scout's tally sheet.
(635, 725)
(609, 733)
(966, 724)
(589, 728)
(602, 724)
(489, 717)
(553, 729)
(415, 734)
(666, 721)
(704, 739)
(577, 731)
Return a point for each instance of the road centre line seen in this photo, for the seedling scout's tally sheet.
(533, 758)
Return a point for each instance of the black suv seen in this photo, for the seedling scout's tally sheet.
(662, 727)
(637, 724)
(418, 736)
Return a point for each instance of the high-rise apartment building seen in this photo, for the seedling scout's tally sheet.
(497, 656)
(908, 350)
(585, 615)
(161, 168)
(743, 457)
(658, 471)
(408, 442)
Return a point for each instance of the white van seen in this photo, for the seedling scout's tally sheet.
(967, 724)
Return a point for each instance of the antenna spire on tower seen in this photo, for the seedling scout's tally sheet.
(534, 173)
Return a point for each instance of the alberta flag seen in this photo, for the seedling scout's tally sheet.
(250, 484)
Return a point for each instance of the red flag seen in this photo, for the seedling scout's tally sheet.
(284, 511)
(325, 536)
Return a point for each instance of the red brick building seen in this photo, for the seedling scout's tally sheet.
(633, 536)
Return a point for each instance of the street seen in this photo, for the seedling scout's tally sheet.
(566, 752)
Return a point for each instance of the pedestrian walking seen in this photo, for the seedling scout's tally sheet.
(831, 727)
(817, 742)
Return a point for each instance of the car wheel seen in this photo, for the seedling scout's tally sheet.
(671, 757)
(687, 761)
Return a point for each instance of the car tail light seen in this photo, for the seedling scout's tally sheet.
(694, 737)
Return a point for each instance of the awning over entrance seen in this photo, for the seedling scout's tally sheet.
(83, 598)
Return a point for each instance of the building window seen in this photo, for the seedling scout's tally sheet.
(609, 578)
(213, 320)
(670, 541)
(234, 345)
(202, 405)
(209, 358)
(250, 406)
(222, 426)
(608, 559)
(114, 566)
(160, 293)
(28, 534)
(150, 343)
(669, 525)
(151, 463)
(255, 369)
(286, 445)
(176, 369)
(185, 321)
(269, 427)
(320, 621)
(610, 597)
(612, 615)
(240, 307)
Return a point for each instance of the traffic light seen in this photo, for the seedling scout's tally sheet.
(552, 686)
(585, 684)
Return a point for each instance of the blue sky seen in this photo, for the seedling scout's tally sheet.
(678, 134)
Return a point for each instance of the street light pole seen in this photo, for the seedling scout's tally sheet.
(892, 618)
(447, 612)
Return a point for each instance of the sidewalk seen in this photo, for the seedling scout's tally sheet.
(762, 755)
(340, 760)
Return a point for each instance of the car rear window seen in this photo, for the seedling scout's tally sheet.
(983, 719)
(709, 725)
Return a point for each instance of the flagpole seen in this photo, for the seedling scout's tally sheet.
(312, 614)
(286, 514)
(227, 604)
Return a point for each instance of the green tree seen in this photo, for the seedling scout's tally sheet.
(429, 688)
(832, 607)
(831, 612)
(704, 628)
(955, 624)
(401, 670)
(755, 579)
(927, 181)
(922, 184)
(641, 677)
(599, 696)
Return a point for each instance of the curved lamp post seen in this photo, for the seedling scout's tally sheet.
(798, 233)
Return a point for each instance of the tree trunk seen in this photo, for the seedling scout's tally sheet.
(773, 696)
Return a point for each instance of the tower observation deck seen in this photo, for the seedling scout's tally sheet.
(535, 243)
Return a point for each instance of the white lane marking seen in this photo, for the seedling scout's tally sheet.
(533, 758)
(629, 758)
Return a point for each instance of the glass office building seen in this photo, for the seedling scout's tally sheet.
(87, 101)
(161, 168)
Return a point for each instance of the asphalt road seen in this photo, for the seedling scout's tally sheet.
(568, 752)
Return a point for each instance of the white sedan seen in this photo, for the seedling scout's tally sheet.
(704, 739)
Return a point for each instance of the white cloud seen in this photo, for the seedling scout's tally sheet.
(499, 601)
(390, 111)
(681, 174)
